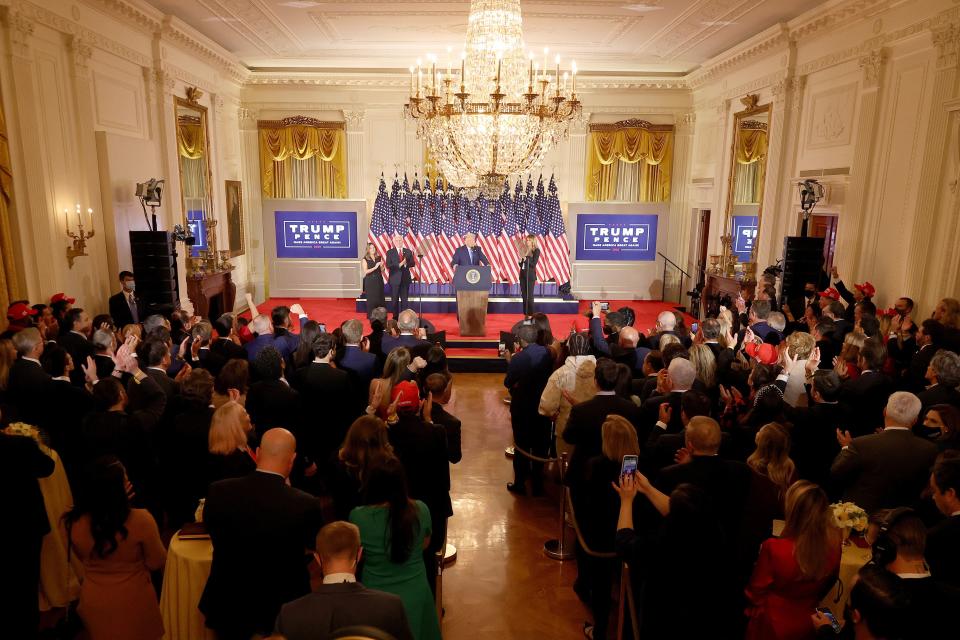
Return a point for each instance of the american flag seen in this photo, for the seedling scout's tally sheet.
(436, 221)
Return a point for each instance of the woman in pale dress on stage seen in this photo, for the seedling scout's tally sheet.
(372, 267)
(529, 255)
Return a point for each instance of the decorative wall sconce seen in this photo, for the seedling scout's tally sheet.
(79, 236)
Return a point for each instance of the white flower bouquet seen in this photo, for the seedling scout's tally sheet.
(849, 516)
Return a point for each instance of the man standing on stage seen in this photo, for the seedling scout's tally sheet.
(469, 254)
(399, 262)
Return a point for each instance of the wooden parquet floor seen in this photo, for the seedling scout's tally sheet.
(502, 586)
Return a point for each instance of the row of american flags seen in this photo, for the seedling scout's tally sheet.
(433, 221)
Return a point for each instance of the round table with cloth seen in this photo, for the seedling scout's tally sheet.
(852, 559)
(186, 573)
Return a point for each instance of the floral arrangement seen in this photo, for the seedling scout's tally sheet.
(848, 516)
(22, 429)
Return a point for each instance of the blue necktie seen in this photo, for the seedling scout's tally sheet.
(470, 251)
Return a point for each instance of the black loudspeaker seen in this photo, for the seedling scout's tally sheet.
(154, 255)
(802, 263)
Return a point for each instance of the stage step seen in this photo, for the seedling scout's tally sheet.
(475, 360)
(500, 304)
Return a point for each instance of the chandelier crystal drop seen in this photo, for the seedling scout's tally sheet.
(502, 112)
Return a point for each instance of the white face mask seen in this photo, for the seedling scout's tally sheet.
(130, 286)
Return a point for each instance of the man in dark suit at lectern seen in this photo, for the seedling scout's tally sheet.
(469, 254)
(399, 262)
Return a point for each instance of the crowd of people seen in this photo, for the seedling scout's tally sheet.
(294, 444)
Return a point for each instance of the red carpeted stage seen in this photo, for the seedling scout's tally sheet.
(472, 353)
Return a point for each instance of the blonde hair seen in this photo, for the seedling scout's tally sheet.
(227, 431)
(811, 526)
(619, 438)
(132, 330)
(772, 455)
(951, 313)
(852, 343)
(800, 344)
(668, 339)
(705, 363)
(725, 318)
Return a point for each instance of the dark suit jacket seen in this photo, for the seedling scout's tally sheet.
(335, 606)
(651, 412)
(208, 359)
(583, 430)
(527, 375)
(227, 349)
(325, 415)
(938, 394)
(259, 343)
(451, 424)
(272, 403)
(814, 438)
(21, 463)
(867, 395)
(120, 310)
(79, 348)
(827, 353)
(422, 448)
(285, 342)
(417, 346)
(943, 541)
(64, 410)
(462, 257)
(393, 264)
(26, 390)
(884, 470)
(260, 529)
(361, 366)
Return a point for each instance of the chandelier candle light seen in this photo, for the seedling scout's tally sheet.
(505, 112)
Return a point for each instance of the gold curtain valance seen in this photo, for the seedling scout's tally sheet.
(751, 142)
(649, 145)
(301, 139)
(190, 137)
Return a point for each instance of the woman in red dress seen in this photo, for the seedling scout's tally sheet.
(795, 571)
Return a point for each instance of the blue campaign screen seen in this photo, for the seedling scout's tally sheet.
(316, 234)
(616, 237)
(198, 230)
(744, 235)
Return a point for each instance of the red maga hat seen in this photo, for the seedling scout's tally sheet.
(62, 297)
(763, 353)
(868, 289)
(831, 293)
(406, 394)
(19, 311)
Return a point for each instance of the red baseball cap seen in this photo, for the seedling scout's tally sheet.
(19, 311)
(868, 289)
(831, 293)
(62, 297)
(406, 394)
(763, 353)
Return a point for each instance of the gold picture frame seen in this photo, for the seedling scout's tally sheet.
(234, 209)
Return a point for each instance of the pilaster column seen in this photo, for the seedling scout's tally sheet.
(356, 154)
(679, 234)
(721, 183)
(778, 218)
(849, 236)
(920, 267)
(577, 160)
(253, 199)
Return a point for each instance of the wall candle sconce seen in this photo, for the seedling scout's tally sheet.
(79, 236)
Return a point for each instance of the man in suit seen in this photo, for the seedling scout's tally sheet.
(421, 446)
(262, 328)
(341, 601)
(943, 538)
(74, 336)
(886, 469)
(440, 387)
(943, 374)
(285, 341)
(814, 436)
(399, 262)
(666, 323)
(65, 405)
(104, 344)
(357, 362)
(258, 514)
(270, 400)
(20, 315)
(155, 359)
(662, 447)
(28, 382)
(527, 375)
(324, 392)
(22, 463)
(584, 426)
(408, 322)
(822, 335)
(724, 356)
(125, 306)
(927, 341)
(902, 551)
(868, 393)
(469, 254)
(672, 384)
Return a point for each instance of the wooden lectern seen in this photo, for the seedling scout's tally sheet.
(473, 289)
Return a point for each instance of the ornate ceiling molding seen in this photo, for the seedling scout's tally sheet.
(402, 81)
(779, 39)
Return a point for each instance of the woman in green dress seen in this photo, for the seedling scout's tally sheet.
(394, 531)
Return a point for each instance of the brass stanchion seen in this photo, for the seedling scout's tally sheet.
(556, 548)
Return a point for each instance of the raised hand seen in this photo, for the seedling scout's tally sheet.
(627, 488)
(664, 382)
(595, 309)
(426, 407)
(683, 455)
(298, 309)
(833, 273)
(195, 347)
(844, 438)
(749, 335)
(666, 413)
(183, 373)
(813, 361)
(89, 370)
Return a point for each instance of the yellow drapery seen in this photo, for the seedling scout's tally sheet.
(651, 149)
(280, 146)
(190, 140)
(751, 156)
(9, 289)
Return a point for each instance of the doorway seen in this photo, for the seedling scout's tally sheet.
(702, 239)
(825, 226)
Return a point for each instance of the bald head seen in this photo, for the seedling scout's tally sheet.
(703, 436)
(666, 320)
(276, 452)
(629, 337)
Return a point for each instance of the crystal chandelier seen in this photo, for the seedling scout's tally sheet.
(502, 113)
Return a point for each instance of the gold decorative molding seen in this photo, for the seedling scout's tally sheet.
(871, 65)
(299, 121)
(750, 101)
(629, 124)
(193, 95)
